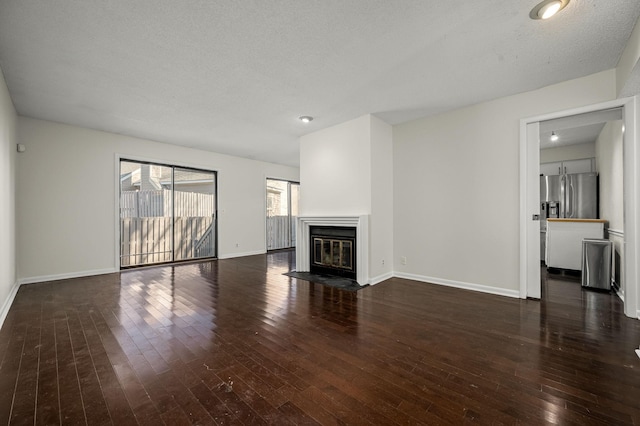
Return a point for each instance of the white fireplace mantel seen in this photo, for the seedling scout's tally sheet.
(303, 244)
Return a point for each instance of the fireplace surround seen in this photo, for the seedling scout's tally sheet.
(360, 253)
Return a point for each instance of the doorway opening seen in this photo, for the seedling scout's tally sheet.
(581, 177)
(167, 213)
(282, 212)
(531, 131)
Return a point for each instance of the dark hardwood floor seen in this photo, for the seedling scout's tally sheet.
(236, 342)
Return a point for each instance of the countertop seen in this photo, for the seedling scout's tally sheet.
(577, 220)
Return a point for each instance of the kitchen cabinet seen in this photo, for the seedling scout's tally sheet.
(551, 169)
(564, 241)
(585, 165)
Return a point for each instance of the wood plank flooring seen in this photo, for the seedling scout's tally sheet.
(236, 342)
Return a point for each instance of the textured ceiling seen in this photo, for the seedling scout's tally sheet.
(233, 76)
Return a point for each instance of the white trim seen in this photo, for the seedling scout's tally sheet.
(616, 232)
(8, 302)
(56, 277)
(116, 215)
(616, 103)
(461, 285)
(264, 210)
(631, 117)
(380, 278)
(523, 210)
(532, 207)
(233, 255)
(631, 187)
(164, 162)
(360, 222)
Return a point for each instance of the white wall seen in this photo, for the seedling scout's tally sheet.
(628, 67)
(335, 170)
(348, 170)
(456, 186)
(381, 221)
(8, 142)
(610, 166)
(66, 197)
(569, 152)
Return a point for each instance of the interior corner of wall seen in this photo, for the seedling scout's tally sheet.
(6, 305)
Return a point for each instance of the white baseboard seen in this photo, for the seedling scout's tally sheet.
(459, 284)
(44, 278)
(249, 253)
(7, 303)
(380, 278)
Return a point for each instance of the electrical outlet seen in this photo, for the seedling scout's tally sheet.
(403, 260)
(382, 262)
(237, 244)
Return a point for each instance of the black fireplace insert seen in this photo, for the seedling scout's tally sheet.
(333, 250)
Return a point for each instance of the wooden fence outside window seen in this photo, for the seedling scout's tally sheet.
(146, 226)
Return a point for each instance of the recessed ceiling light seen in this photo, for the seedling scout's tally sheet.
(305, 118)
(547, 8)
(554, 137)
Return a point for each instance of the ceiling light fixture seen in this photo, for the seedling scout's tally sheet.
(305, 118)
(547, 8)
(554, 137)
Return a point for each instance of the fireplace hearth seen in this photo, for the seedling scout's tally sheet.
(333, 250)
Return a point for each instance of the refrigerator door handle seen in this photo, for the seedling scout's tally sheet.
(563, 197)
(574, 200)
(571, 195)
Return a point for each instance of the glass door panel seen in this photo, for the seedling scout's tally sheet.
(278, 229)
(282, 209)
(194, 213)
(145, 214)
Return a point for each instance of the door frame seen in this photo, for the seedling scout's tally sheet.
(530, 196)
(118, 157)
(266, 233)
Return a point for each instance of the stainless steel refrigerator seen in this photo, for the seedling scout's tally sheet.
(572, 196)
(576, 195)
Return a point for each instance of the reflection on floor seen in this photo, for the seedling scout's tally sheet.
(235, 341)
(599, 308)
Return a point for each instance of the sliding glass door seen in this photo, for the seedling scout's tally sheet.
(146, 212)
(194, 214)
(167, 213)
(282, 211)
